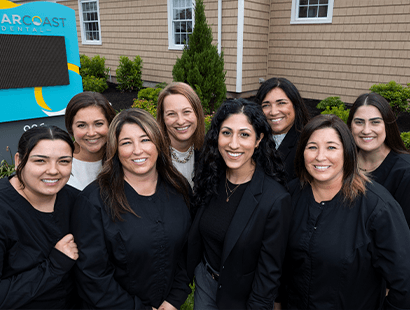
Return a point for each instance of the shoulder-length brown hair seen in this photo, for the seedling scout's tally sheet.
(354, 182)
(111, 178)
(185, 90)
(393, 139)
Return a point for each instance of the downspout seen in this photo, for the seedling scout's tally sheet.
(219, 26)
(239, 45)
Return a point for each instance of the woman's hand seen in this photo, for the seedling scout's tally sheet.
(166, 306)
(67, 246)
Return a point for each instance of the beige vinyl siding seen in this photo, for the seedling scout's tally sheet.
(367, 43)
(255, 43)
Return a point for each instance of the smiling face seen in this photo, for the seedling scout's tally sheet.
(90, 128)
(136, 152)
(47, 169)
(237, 142)
(279, 111)
(368, 129)
(323, 157)
(180, 121)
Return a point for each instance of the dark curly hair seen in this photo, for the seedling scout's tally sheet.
(211, 166)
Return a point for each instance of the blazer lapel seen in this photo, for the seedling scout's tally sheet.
(288, 143)
(244, 212)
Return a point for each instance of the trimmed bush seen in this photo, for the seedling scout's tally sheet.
(149, 94)
(397, 95)
(7, 169)
(405, 136)
(200, 65)
(330, 102)
(92, 83)
(338, 111)
(129, 73)
(94, 73)
(147, 105)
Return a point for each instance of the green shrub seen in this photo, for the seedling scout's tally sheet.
(200, 64)
(93, 66)
(149, 94)
(7, 169)
(161, 85)
(397, 95)
(129, 73)
(208, 120)
(405, 136)
(330, 102)
(189, 302)
(338, 111)
(95, 84)
(147, 105)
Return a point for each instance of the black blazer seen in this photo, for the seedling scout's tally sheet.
(254, 246)
(287, 151)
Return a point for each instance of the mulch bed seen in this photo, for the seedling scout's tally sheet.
(121, 101)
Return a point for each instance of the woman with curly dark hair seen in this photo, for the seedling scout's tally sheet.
(238, 237)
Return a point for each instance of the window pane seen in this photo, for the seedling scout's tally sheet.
(323, 1)
(303, 2)
(303, 12)
(177, 27)
(184, 39)
(178, 14)
(313, 2)
(323, 11)
(312, 12)
(189, 27)
(177, 39)
(188, 13)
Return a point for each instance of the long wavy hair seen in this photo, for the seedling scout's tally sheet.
(212, 167)
(179, 88)
(111, 178)
(301, 112)
(393, 139)
(353, 182)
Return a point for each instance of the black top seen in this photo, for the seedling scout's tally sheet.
(339, 256)
(394, 174)
(135, 263)
(216, 219)
(287, 151)
(34, 274)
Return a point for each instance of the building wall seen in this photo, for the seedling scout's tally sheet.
(255, 43)
(367, 43)
(130, 28)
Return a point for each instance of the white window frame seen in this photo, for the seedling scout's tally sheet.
(310, 20)
(171, 41)
(82, 25)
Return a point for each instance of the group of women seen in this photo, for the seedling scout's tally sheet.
(267, 206)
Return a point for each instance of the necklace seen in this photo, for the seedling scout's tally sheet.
(230, 191)
(372, 168)
(182, 161)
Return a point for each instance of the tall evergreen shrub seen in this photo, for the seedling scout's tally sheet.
(200, 64)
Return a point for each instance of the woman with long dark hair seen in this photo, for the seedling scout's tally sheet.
(131, 225)
(287, 115)
(87, 118)
(37, 250)
(382, 154)
(348, 236)
(238, 237)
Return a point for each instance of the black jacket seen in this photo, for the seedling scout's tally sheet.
(254, 246)
(340, 256)
(287, 151)
(136, 263)
(34, 274)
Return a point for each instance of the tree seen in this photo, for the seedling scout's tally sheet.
(200, 64)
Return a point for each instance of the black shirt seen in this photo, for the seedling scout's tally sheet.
(216, 219)
(394, 174)
(34, 274)
(339, 255)
(131, 264)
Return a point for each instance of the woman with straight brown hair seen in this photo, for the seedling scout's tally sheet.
(132, 224)
(181, 117)
(87, 118)
(348, 236)
(382, 154)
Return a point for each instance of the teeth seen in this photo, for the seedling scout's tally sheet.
(234, 154)
(50, 181)
(322, 167)
(183, 128)
(367, 139)
(92, 141)
(276, 120)
(139, 160)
